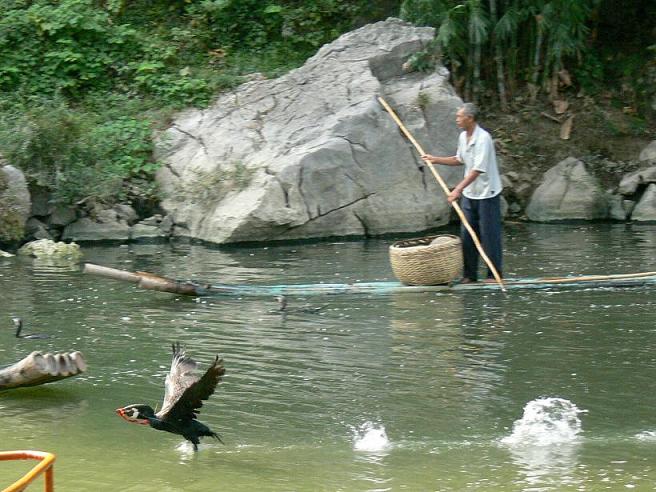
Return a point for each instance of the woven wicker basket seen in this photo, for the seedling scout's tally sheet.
(429, 260)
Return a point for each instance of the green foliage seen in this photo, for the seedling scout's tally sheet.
(424, 12)
(590, 73)
(66, 46)
(255, 24)
(76, 154)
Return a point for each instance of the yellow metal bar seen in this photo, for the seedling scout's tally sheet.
(45, 466)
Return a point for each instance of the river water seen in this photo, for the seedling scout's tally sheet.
(534, 390)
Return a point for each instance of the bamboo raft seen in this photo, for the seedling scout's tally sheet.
(153, 282)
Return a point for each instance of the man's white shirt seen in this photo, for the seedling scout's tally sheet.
(478, 155)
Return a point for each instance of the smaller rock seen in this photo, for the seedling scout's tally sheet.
(645, 210)
(504, 207)
(632, 181)
(568, 192)
(126, 213)
(144, 231)
(616, 210)
(41, 205)
(523, 189)
(515, 208)
(62, 216)
(46, 248)
(153, 227)
(166, 225)
(4, 254)
(36, 229)
(107, 216)
(649, 152)
(155, 220)
(86, 229)
(513, 176)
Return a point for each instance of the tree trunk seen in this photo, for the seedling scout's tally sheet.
(501, 84)
(477, 72)
(536, 59)
(38, 368)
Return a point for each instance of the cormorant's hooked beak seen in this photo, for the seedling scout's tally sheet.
(122, 413)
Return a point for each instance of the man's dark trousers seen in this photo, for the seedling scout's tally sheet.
(484, 216)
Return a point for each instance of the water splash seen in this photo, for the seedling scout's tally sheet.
(649, 436)
(545, 443)
(546, 421)
(370, 438)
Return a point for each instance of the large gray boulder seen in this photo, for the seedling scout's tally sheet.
(15, 203)
(312, 153)
(568, 192)
(645, 210)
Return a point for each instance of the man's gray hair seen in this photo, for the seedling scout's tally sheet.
(470, 109)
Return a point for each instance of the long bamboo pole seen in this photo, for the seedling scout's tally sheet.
(446, 189)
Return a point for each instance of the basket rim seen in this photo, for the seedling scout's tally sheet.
(397, 248)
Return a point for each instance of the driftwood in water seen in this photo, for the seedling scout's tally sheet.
(150, 281)
(38, 368)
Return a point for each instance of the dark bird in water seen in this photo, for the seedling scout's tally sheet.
(284, 308)
(183, 396)
(18, 323)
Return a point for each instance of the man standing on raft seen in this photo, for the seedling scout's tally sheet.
(480, 190)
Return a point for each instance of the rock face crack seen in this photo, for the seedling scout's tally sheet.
(193, 137)
(336, 209)
(172, 169)
(300, 191)
(341, 207)
(568, 180)
(365, 228)
(352, 147)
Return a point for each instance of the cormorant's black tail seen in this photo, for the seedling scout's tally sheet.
(216, 436)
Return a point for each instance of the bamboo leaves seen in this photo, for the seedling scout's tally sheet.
(522, 42)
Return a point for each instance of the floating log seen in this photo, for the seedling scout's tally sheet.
(149, 281)
(111, 273)
(38, 368)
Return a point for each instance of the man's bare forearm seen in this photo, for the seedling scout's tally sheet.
(446, 161)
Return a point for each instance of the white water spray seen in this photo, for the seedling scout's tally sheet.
(546, 421)
(370, 438)
(545, 442)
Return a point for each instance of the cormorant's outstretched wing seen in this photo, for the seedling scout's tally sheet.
(180, 377)
(185, 392)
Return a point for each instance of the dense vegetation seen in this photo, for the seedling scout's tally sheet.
(83, 83)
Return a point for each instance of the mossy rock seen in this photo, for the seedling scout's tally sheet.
(48, 249)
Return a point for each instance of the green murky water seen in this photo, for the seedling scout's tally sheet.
(410, 392)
